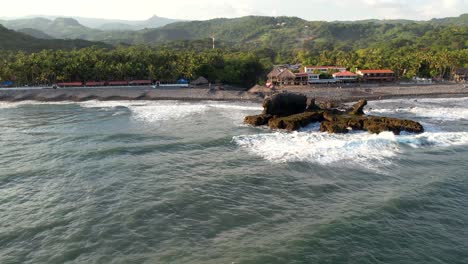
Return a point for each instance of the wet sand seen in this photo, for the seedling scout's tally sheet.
(124, 93)
(343, 94)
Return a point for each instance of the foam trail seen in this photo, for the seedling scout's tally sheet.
(438, 109)
(356, 148)
(151, 111)
(321, 148)
(8, 105)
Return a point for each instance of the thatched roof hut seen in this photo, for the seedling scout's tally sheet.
(286, 75)
(200, 81)
(274, 73)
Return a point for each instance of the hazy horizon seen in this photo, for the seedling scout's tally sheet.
(312, 10)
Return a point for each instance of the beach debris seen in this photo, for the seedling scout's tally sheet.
(290, 112)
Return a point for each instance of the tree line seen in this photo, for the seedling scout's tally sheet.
(236, 67)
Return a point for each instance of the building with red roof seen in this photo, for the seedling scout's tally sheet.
(345, 76)
(377, 75)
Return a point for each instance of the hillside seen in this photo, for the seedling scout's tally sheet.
(104, 24)
(462, 20)
(253, 32)
(289, 33)
(62, 28)
(12, 40)
(35, 33)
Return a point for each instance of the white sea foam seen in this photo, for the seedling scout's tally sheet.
(437, 109)
(235, 112)
(357, 148)
(151, 111)
(230, 106)
(7, 105)
(437, 113)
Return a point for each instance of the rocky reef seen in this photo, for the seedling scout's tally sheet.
(292, 111)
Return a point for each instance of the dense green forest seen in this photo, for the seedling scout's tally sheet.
(246, 49)
(244, 68)
(48, 67)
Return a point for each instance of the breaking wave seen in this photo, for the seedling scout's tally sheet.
(151, 111)
(10, 105)
(358, 148)
(429, 108)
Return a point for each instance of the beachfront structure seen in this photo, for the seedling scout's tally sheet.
(301, 79)
(461, 75)
(376, 75)
(281, 76)
(345, 76)
(322, 69)
(326, 75)
(200, 81)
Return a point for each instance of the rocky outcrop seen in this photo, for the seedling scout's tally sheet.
(284, 104)
(332, 120)
(358, 109)
(294, 122)
(257, 120)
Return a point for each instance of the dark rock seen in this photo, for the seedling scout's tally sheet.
(257, 120)
(288, 111)
(285, 104)
(294, 122)
(381, 124)
(358, 108)
(312, 106)
(332, 114)
(333, 127)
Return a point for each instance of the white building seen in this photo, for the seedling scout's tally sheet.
(323, 69)
(345, 76)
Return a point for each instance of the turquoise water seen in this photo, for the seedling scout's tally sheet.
(175, 182)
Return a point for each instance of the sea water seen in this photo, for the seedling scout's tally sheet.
(179, 182)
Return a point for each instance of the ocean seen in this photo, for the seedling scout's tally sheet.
(187, 182)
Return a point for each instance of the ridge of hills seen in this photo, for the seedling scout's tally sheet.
(12, 40)
(253, 32)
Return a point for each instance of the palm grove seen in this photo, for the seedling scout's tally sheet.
(247, 48)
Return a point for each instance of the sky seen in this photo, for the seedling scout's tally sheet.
(328, 10)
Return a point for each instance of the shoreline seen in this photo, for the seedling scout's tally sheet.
(343, 95)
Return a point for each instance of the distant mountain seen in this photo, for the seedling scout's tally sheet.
(379, 21)
(71, 28)
(94, 23)
(104, 24)
(462, 20)
(278, 33)
(62, 28)
(288, 33)
(35, 33)
(12, 40)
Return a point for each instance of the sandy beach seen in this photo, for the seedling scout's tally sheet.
(343, 94)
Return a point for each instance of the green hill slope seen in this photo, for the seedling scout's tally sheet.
(289, 33)
(12, 40)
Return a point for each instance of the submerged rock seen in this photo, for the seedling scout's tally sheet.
(284, 104)
(381, 124)
(333, 127)
(257, 120)
(281, 112)
(294, 122)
